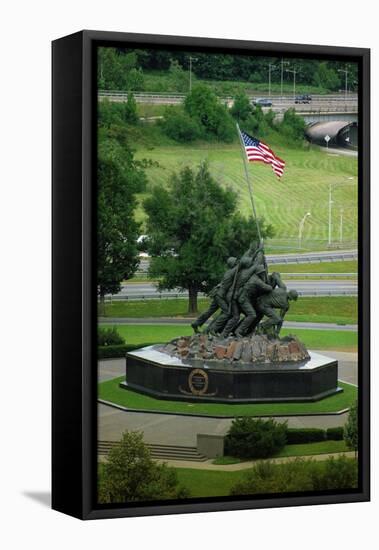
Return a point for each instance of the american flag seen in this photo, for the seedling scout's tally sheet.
(258, 151)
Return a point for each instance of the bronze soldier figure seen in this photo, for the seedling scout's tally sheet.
(249, 263)
(218, 296)
(254, 287)
(268, 303)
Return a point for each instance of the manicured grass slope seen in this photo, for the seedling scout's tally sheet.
(111, 391)
(303, 188)
(208, 483)
(330, 309)
(320, 267)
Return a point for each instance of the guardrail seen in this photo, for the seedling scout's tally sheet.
(181, 96)
(174, 295)
(317, 275)
(302, 259)
(346, 256)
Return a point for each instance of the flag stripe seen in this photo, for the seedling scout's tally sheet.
(257, 151)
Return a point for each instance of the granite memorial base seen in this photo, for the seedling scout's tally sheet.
(151, 372)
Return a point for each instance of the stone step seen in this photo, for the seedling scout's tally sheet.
(168, 452)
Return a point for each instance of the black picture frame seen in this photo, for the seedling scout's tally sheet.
(74, 333)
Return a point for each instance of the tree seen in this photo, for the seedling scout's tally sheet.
(131, 475)
(120, 177)
(214, 119)
(326, 77)
(241, 109)
(178, 125)
(292, 126)
(351, 428)
(192, 229)
(179, 77)
(117, 70)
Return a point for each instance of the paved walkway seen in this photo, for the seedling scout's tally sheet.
(207, 465)
(182, 430)
(187, 321)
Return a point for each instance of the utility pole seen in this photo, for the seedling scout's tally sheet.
(346, 73)
(282, 63)
(294, 71)
(341, 225)
(190, 71)
(271, 67)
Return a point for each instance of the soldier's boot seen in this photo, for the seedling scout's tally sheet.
(195, 327)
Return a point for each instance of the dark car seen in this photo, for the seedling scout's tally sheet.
(263, 102)
(303, 98)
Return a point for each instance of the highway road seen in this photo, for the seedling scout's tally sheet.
(295, 258)
(323, 103)
(148, 291)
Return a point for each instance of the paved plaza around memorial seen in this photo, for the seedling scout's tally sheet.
(171, 429)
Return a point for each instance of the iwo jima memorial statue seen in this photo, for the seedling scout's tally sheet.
(239, 357)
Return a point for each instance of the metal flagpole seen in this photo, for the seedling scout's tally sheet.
(243, 151)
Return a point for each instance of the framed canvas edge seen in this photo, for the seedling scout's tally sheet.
(88, 378)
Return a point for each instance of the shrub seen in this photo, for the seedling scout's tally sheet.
(351, 428)
(109, 337)
(299, 475)
(305, 435)
(335, 434)
(180, 126)
(266, 477)
(337, 473)
(255, 438)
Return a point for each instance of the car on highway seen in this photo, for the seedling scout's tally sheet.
(304, 98)
(263, 102)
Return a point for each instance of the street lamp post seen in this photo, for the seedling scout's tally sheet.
(301, 227)
(271, 67)
(330, 202)
(330, 216)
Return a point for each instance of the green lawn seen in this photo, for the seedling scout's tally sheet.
(303, 188)
(329, 309)
(319, 267)
(160, 81)
(208, 483)
(313, 339)
(304, 449)
(110, 391)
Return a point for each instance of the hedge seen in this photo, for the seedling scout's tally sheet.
(305, 435)
(335, 434)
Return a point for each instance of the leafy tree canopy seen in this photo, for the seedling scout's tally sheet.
(120, 177)
(213, 117)
(193, 226)
(131, 475)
